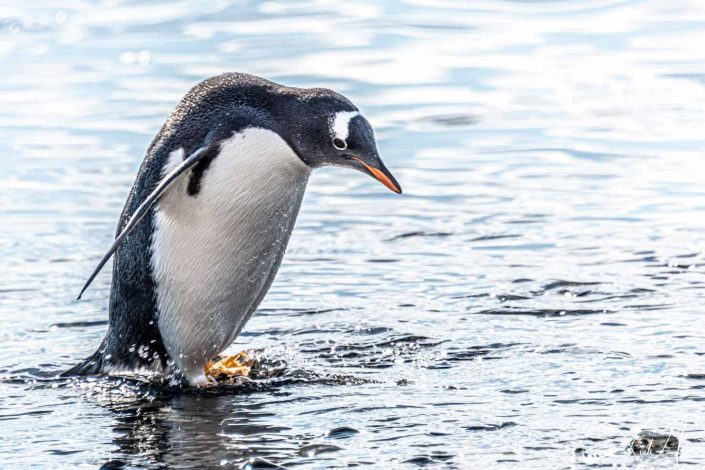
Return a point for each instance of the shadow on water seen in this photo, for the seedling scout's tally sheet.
(184, 430)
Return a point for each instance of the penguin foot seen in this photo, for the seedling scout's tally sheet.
(226, 368)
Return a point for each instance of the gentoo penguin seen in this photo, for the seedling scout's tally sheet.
(208, 218)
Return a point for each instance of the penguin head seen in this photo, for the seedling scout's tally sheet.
(331, 131)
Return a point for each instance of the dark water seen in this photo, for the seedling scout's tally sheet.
(536, 296)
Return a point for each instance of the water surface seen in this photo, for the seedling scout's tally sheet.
(536, 295)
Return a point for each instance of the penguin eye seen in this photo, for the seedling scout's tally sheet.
(340, 144)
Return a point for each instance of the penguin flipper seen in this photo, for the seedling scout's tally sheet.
(144, 208)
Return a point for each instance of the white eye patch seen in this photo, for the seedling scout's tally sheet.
(340, 126)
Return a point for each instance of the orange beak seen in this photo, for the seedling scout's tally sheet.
(381, 175)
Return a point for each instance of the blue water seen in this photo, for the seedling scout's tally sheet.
(534, 299)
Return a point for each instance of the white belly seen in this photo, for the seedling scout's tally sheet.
(215, 255)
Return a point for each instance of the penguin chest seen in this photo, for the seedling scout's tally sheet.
(215, 253)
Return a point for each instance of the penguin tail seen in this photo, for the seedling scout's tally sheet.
(92, 365)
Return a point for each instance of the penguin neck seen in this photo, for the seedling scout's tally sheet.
(215, 253)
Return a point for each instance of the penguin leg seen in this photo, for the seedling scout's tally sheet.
(228, 367)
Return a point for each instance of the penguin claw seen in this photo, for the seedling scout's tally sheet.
(227, 368)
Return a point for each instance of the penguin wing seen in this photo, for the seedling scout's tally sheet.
(144, 208)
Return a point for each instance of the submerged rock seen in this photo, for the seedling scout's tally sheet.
(649, 442)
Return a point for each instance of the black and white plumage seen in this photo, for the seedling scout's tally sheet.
(208, 219)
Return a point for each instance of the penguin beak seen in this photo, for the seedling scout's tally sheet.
(378, 171)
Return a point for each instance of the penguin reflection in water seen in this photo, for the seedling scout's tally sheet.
(209, 216)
